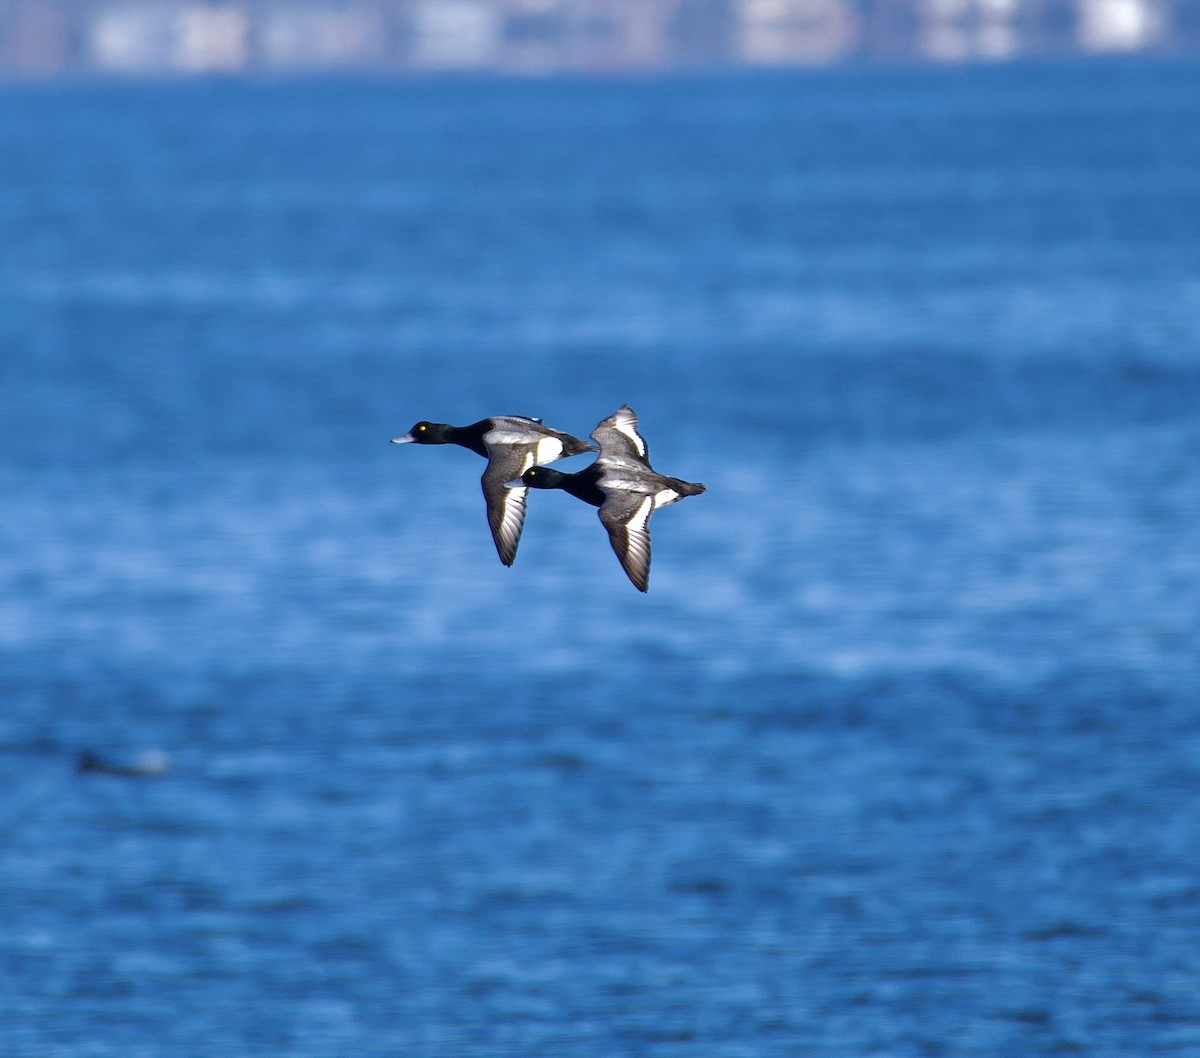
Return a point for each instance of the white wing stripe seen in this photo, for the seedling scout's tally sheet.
(637, 541)
(625, 422)
(512, 521)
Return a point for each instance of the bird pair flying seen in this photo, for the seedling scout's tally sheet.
(621, 482)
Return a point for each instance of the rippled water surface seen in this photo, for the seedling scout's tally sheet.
(900, 754)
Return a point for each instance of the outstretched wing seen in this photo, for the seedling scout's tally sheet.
(506, 507)
(626, 516)
(619, 438)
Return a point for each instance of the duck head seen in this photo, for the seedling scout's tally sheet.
(426, 433)
(538, 478)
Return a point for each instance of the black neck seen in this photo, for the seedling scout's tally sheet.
(583, 485)
(470, 436)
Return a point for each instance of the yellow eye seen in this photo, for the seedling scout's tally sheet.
(420, 429)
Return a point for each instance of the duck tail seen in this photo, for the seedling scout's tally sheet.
(573, 446)
(690, 488)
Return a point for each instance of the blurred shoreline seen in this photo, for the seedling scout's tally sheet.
(46, 39)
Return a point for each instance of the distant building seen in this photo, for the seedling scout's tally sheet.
(958, 30)
(795, 32)
(620, 34)
(211, 39)
(312, 35)
(702, 32)
(134, 38)
(535, 36)
(1120, 25)
(1049, 27)
(455, 34)
(35, 39)
(889, 30)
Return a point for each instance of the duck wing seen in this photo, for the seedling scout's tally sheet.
(506, 507)
(620, 439)
(626, 516)
(545, 444)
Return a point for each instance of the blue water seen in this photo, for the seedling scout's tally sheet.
(899, 756)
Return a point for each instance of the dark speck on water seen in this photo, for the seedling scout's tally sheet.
(899, 756)
(152, 763)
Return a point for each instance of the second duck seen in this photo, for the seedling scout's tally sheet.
(623, 485)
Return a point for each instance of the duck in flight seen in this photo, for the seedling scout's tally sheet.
(623, 485)
(512, 444)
